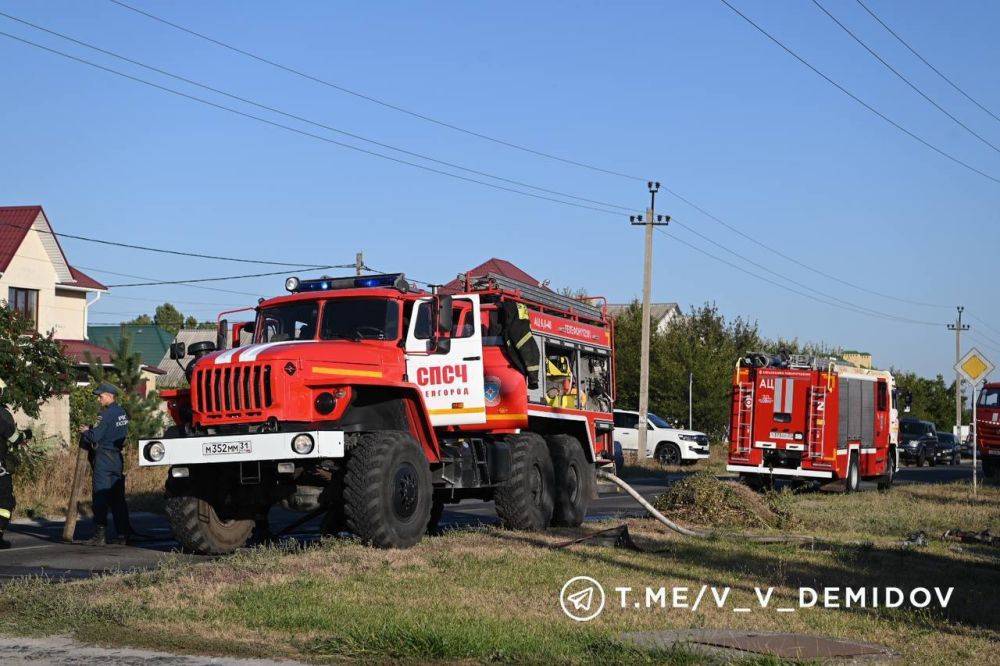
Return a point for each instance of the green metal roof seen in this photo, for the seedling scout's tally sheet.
(150, 342)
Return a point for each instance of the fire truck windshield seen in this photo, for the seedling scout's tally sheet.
(989, 398)
(291, 321)
(360, 319)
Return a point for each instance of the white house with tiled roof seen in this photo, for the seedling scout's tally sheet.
(37, 280)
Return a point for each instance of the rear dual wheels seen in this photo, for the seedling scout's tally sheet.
(526, 500)
(551, 483)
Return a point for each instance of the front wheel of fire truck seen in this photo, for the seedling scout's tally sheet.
(574, 481)
(200, 529)
(387, 489)
(885, 481)
(526, 500)
(853, 481)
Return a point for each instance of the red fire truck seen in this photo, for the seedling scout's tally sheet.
(988, 429)
(374, 404)
(808, 419)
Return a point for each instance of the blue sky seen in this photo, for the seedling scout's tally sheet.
(683, 92)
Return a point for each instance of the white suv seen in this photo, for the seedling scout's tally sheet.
(668, 445)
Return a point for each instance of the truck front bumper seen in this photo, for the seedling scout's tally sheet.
(240, 448)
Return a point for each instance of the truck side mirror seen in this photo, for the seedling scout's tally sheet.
(442, 345)
(222, 334)
(178, 350)
(445, 314)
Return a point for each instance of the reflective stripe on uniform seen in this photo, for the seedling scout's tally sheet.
(527, 336)
(4, 513)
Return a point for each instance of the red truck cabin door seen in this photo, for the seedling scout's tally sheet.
(451, 383)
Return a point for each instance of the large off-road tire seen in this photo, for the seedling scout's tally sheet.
(387, 489)
(526, 500)
(852, 483)
(668, 453)
(199, 529)
(574, 480)
(886, 480)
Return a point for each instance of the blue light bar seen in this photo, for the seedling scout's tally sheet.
(393, 280)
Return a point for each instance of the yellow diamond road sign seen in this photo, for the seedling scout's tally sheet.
(974, 366)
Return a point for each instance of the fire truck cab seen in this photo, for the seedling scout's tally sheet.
(372, 403)
(988, 429)
(805, 418)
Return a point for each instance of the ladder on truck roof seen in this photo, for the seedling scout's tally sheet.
(816, 428)
(541, 295)
(744, 418)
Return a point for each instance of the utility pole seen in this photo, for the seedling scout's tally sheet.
(690, 401)
(958, 327)
(359, 263)
(647, 278)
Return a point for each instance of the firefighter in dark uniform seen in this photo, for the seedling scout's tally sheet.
(104, 441)
(9, 435)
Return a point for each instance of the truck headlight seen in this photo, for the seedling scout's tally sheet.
(154, 451)
(303, 444)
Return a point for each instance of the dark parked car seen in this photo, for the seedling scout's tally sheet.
(948, 451)
(966, 446)
(918, 441)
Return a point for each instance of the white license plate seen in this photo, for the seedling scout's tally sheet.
(782, 435)
(226, 448)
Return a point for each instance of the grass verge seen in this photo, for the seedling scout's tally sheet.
(492, 595)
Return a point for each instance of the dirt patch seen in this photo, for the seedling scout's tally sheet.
(703, 499)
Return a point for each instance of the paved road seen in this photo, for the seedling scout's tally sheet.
(38, 549)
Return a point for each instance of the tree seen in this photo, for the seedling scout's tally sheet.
(33, 366)
(145, 417)
(703, 344)
(191, 322)
(169, 318)
(141, 320)
(933, 400)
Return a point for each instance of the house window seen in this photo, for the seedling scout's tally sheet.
(24, 301)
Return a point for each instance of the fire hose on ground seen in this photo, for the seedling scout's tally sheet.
(703, 534)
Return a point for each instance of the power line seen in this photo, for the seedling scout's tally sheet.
(304, 119)
(792, 289)
(94, 269)
(857, 99)
(802, 264)
(985, 323)
(903, 78)
(295, 130)
(925, 61)
(375, 100)
(788, 279)
(220, 279)
(147, 248)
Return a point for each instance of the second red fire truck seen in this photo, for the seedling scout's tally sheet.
(810, 419)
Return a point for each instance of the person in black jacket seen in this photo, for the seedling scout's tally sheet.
(8, 435)
(104, 441)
